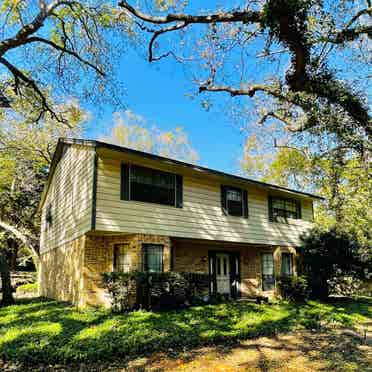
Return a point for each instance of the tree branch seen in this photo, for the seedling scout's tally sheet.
(251, 91)
(288, 123)
(22, 237)
(289, 27)
(350, 34)
(32, 27)
(65, 50)
(221, 17)
(19, 75)
(156, 34)
(301, 151)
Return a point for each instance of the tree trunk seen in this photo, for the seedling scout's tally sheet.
(23, 238)
(6, 285)
(12, 254)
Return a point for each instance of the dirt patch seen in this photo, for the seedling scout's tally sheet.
(326, 350)
(341, 350)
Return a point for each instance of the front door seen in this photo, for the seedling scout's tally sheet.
(224, 270)
(223, 273)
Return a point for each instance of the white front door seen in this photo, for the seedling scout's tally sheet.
(223, 273)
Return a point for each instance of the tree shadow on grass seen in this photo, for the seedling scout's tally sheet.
(53, 332)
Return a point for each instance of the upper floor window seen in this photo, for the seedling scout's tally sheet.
(48, 217)
(234, 201)
(280, 209)
(150, 185)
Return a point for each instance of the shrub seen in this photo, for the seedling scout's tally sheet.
(345, 285)
(294, 288)
(122, 288)
(330, 254)
(163, 290)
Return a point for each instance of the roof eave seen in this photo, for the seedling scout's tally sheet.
(204, 169)
(62, 142)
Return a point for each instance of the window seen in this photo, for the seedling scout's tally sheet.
(281, 209)
(48, 217)
(287, 264)
(152, 257)
(267, 268)
(234, 201)
(150, 185)
(122, 261)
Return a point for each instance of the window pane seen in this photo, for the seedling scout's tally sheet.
(122, 259)
(153, 257)
(268, 279)
(287, 264)
(283, 209)
(234, 202)
(290, 206)
(267, 264)
(234, 195)
(153, 186)
(278, 203)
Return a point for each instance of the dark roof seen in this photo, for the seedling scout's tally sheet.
(99, 144)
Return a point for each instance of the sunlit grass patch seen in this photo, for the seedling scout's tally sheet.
(51, 331)
(97, 331)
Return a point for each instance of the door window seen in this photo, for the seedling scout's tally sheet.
(268, 279)
(223, 273)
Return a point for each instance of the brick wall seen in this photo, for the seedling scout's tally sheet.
(99, 258)
(61, 272)
(72, 272)
(191, 256)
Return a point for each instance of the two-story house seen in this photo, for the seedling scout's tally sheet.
(106, 208)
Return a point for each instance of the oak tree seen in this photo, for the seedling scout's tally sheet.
(292, 55)
(52, 50)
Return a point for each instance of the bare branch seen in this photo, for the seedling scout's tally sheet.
(156, 34)
(251, 91)
(221, 17)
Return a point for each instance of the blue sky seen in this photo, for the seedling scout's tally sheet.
(158, 91)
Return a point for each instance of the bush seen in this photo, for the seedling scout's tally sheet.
(294, 288)
(123, 288)
(327, 255)
(344, 285)
(163, 290)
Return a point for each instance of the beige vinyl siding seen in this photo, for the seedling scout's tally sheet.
(70, 196)
(201, 216)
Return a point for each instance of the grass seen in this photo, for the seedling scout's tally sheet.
(44, 331)
(28, 288)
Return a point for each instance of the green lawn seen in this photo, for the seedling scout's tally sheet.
(42, 331)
